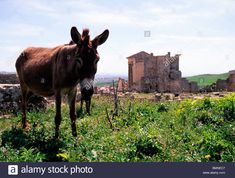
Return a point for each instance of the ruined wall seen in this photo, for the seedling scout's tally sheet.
(8, 79)
(185, 87)
(130, 73)
(175, 74)
(193, 87)
(221, 85)
(122, 85)
(149, 79)
(10, 99)
(231, 81)
(174, 62)
(163, 71)
(138, 73)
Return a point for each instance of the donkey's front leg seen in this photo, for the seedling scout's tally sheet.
(58, 112)
(72, 112)
(88, 106)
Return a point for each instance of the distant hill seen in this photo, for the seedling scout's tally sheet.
(207, 79)
(107, 80)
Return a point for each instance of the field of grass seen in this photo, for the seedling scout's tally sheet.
(191, 130)
(207, 79)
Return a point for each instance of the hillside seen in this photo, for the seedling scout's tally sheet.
(207, 79)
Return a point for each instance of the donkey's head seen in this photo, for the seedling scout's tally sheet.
(87, 57)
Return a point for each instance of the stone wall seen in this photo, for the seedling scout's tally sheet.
(138, 72)
(231, 81)
(8, 79)
(122, 85)
(185, 85)
(221, 85)
(10, 99)
(193, 87)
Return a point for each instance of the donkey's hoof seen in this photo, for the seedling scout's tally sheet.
(56, 136)
(74, 134)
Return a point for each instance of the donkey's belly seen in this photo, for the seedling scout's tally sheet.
(40, 86)
(39, 81)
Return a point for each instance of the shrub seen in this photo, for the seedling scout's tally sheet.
(162, 108)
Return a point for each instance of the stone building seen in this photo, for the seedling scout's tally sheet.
(231, 80)
(149, 73)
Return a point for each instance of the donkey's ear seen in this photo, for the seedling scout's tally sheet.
(100, 39)
(75, 35)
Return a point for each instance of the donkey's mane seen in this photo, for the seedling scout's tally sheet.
(71, 43)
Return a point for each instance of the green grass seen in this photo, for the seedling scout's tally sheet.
(207, 79)
(190, 130)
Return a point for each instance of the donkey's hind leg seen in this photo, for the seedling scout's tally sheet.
(25, 93)
(58, 112)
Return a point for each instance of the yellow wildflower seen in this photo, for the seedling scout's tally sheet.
(64, 156)
(208, 156)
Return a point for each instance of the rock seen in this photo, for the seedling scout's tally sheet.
(132, 97)
(169, 96)
(10, 99)
(158, 97)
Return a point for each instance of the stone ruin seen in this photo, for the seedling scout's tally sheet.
(188, 87)
(149, 73)
(10, 100)
(231, 81)
(122, 85)
(8, 78)
(222, 85)
(10, 96)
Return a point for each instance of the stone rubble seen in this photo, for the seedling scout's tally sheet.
(10, 99)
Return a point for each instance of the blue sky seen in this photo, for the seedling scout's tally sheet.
(203, 31)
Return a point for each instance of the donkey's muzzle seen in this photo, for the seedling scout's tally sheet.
(87, 89)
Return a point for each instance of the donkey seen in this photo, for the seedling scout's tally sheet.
(57, 71)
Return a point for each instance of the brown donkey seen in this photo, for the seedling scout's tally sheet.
(58, 70)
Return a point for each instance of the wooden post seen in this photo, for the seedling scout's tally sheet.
(110, 122)
(115, 99)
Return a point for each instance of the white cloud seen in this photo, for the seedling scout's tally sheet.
(36, 6)
(21, 30)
